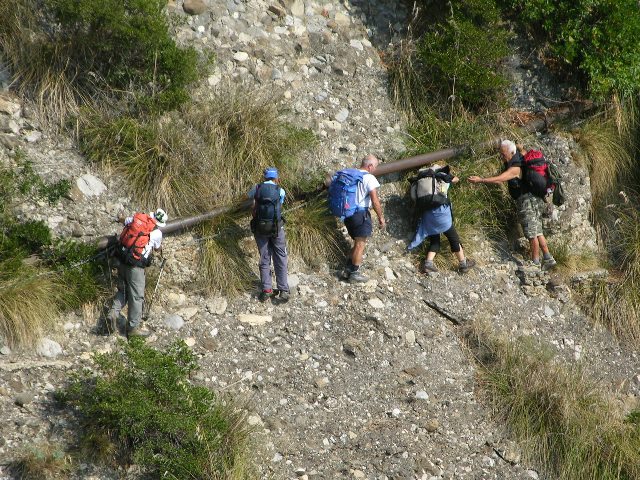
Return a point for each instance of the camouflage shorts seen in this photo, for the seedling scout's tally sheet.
(530, 209)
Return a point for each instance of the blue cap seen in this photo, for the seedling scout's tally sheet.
(270, 173)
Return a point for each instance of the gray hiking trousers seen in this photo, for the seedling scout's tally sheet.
(131, 282)
(273, 248)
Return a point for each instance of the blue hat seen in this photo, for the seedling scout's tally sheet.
(270, 173)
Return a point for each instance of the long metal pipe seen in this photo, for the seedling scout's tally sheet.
(537, 124)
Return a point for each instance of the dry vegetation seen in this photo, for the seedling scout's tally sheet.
(562, 419)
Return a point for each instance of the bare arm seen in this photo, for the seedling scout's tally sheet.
(375, 202)
(509, 174)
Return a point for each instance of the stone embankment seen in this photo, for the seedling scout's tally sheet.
(343, 381)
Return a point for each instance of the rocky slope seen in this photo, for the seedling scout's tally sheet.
(344, 381)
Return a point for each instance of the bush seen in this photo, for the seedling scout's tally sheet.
(565, 423)
(461, 51)
(599, 38)
(66, 52)
(43, 462)
(142, 400)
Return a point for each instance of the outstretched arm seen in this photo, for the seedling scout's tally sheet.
(509, 174)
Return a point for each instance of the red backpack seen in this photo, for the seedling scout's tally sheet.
(134, 238)
(536, 173)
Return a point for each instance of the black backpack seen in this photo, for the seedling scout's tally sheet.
(429, 188)
(266, 213)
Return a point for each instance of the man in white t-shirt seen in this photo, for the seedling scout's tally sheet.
(359, 224)
(131, 280)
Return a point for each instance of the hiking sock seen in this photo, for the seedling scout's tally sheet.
(429, 263)
(536, 261)
(547, 256)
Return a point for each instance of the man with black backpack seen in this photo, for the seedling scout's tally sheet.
(528, 192)
(137, 242)
(267, 226)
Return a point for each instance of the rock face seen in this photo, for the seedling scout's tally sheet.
(358, 381)
(90, 185)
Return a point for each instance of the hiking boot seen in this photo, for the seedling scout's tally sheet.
(358, 277)
(265, 295)
(429, 268)
(548, 264)
(138, 332)
(468, 266)
(345, 274)
(283, 296)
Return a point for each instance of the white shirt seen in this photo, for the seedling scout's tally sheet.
(369, 183)
(155, 239)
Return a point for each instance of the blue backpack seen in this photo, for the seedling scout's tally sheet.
(342, 192)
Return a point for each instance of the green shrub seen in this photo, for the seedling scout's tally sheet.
(67, 52)
(599, 38)
(142, 399)
(460, 53)
(563, 420)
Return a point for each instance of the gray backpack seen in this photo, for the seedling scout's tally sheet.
(429, 188)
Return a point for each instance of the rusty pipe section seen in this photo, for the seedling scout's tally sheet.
(530, 126)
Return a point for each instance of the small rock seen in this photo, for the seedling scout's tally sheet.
(174, 322)
(396, 412)
(388, 274)
(5, 350)
(48, 348)
(410, 337)
(217, 305)
(255, 320)
(548, 311)
(342, 20)
(188, 313)
(375, 302)
(33, 137)
(358, 474)
(175, 299)
(194, 7)
(432, 425)
(342, 115)
(293, 280)
(190, 341)
(23, 399)
(277, 458)
(297, 8)
(9, 107)
(254, 420)
(321, 382)
(422, 395)
(357, 44)
(532, 474)
(90, 185)
(241, 56)
(488, 462)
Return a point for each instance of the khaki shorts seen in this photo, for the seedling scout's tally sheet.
(530, 210)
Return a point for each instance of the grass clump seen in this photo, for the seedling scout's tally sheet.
(312, 234)
(223, 263)
(68, 52)
(43, 462)
(141, 399)
(565, 423)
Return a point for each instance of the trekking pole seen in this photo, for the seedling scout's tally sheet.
(145, 316)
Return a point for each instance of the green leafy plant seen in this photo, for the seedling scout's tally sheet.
(142, 400)
(599, 38)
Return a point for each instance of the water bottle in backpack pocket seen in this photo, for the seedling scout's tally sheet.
(267, 216)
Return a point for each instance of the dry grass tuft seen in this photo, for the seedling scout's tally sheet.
(312, 233)
(565, 422)
(29, 301)
(43, 462)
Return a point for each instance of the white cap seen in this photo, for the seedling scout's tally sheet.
(160, 217)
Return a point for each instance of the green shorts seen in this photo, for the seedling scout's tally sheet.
(530, 210)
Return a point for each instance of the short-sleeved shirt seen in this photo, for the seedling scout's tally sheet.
(369, 183)
(155, 239)
(516, 185)
(252, 192)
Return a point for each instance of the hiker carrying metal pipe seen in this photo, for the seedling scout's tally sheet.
(267, 226)
(140, 237)
(530, 206)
